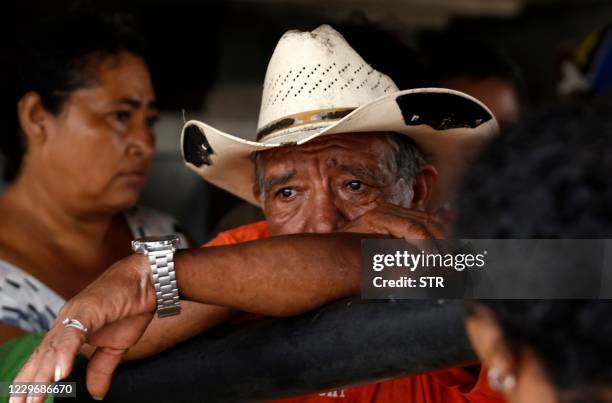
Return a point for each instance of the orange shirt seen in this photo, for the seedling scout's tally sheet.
(452, 385)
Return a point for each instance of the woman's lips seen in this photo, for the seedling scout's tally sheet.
(133, 176)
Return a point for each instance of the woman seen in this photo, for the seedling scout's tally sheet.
(77, 164)
(549, 178)
(545, 351)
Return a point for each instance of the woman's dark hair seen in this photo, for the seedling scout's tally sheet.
(56, 56)
(572, 339)
(550, 178)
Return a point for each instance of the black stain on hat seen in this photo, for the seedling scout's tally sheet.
(441, 111)
(196, 148)
(274, 126)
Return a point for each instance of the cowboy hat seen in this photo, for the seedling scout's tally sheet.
(317, 85)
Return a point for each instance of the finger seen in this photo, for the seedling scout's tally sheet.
(396, 222)
(44, 375)
(423, 216)
(57, 356)
(100, 370)
(87, 350)
(67, 347)
(26, 374)
(121, 334)
(29, 371)
(391, 216)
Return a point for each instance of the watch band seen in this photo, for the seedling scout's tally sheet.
(164, 281)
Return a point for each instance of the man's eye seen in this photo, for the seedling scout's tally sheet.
(285, 193)
(355, 185)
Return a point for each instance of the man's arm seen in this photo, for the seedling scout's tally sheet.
(277, 276)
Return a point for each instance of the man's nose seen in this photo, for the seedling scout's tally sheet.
(326, 216)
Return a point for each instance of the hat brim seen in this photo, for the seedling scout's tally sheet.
(450, 127)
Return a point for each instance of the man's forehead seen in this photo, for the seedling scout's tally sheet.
(367, 144)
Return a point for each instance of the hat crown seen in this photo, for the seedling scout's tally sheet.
(316, 71)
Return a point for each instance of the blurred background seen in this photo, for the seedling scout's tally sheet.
(209, 58)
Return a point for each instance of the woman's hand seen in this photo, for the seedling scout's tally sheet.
(116, 309)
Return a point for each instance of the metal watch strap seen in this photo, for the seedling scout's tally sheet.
(164, 281)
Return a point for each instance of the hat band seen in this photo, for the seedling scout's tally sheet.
(303, 118)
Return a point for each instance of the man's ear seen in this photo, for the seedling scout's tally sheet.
(423, 187)
(33, 118)
(487, 340)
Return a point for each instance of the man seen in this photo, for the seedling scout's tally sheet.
(336, 152)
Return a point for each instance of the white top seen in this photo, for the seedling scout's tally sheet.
(30, 305)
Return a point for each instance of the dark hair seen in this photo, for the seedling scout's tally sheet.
(550, 179)
(571, 338)
(56, 56)
(547, 178)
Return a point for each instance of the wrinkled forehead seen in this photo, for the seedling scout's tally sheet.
(354, 148)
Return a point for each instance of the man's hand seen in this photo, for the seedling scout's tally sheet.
(398, 222)
(116, 309)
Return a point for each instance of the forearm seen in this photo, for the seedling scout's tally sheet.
(277, 276)
(164, 333)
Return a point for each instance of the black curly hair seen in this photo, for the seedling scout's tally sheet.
(58, 55)
(550, 178)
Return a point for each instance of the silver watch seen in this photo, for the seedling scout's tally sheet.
(160, 250)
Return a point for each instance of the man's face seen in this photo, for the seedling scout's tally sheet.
(322, 185)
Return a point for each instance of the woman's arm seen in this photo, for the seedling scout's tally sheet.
(162, 334)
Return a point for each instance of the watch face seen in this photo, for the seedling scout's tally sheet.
(144, 244)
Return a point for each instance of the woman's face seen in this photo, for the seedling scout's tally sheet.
(97, 150)
(531, 383)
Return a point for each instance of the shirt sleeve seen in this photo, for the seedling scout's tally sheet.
(20, 307)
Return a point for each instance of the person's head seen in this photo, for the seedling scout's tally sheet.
(545, 351)
(322, 185)
(550, 179)
(85, 108)
(337, 138)
(482, 72)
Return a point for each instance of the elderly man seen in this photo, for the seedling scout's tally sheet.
(339, 150)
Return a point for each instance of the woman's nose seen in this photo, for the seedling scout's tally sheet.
(143, 141)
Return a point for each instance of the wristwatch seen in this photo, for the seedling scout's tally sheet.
(160, 250)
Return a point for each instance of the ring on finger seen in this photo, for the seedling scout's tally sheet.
(68, 322)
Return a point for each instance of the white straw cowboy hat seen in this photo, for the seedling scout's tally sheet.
(317, 85)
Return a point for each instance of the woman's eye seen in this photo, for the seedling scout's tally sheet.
(285, 193)
(122, 116)
(355, 185)
(152, 120)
